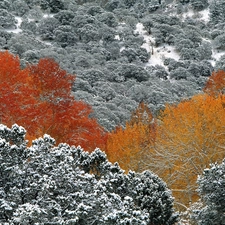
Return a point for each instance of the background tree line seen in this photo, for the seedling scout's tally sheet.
(97, 41)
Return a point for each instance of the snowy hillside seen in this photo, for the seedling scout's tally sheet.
(123, 52)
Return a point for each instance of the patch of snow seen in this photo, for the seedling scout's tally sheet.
(216, 55)
(162, 52)
(31, 20)
(149, 40)
(190, 13)
(48, 15)
(117, 37)
(44, 42)
(158, 53)
(17, 30)
(205, 15)
(19, 21)
(122, 49)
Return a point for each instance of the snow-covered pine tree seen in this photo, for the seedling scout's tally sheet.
(212, 192)
(48, 184)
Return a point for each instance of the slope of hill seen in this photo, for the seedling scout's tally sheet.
(122, 52)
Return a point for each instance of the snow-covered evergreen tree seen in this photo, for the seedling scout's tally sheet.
(212, 191)
(48, 184)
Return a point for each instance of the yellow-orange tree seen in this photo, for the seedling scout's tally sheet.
(130, 146)
(191, 135)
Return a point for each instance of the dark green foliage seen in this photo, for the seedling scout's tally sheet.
(130, 71)
(203, 69)
(135, 54)
(160, 72)
(65, 17)
(23, 42)
(29, 26)
(53, 5)
(112, 4)
(129, 3)
(190, 54)
(183, 1)
(4, 38)
(95, 10)
(4, 4)
(65, 36)
(219, 42)
(199, 4)
(179, 73)
(19, 8)
(7, 20)
(217, 11)
(205, 51)
(46, 28)
(108, 18)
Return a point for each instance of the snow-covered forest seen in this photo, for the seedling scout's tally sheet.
(143, 80)
(122, 52)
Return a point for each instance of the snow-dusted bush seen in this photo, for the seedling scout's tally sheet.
(53, 5)
(7, 20)
(46, 28)
(219, 42)
(48, 184)
(199, 4)
(212, 192)
(217, 11)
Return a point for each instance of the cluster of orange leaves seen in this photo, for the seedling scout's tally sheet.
(38, 97)
(130, 146)
(177, 145)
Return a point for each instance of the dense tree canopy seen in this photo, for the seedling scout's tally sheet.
(123, 53)
(211, 189)
(189, 138)
(93, 35)
(130, 146)
(216, 83)
(60, 184)
(178, 145)
(39, 97)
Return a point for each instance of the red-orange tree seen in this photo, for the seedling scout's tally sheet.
(216, 83)
(39, 98)
(14, 86)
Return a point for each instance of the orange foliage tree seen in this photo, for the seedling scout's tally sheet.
(39, 98)
(13, 89)
(130, 146)
(216, 83)
(191, 135)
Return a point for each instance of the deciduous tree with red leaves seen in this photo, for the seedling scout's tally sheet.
(39, 98)
(216, 83)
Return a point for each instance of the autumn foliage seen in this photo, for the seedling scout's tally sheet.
(177, 145)
(39, 98)
(130, 145)
(189, 136)
(216, 83)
